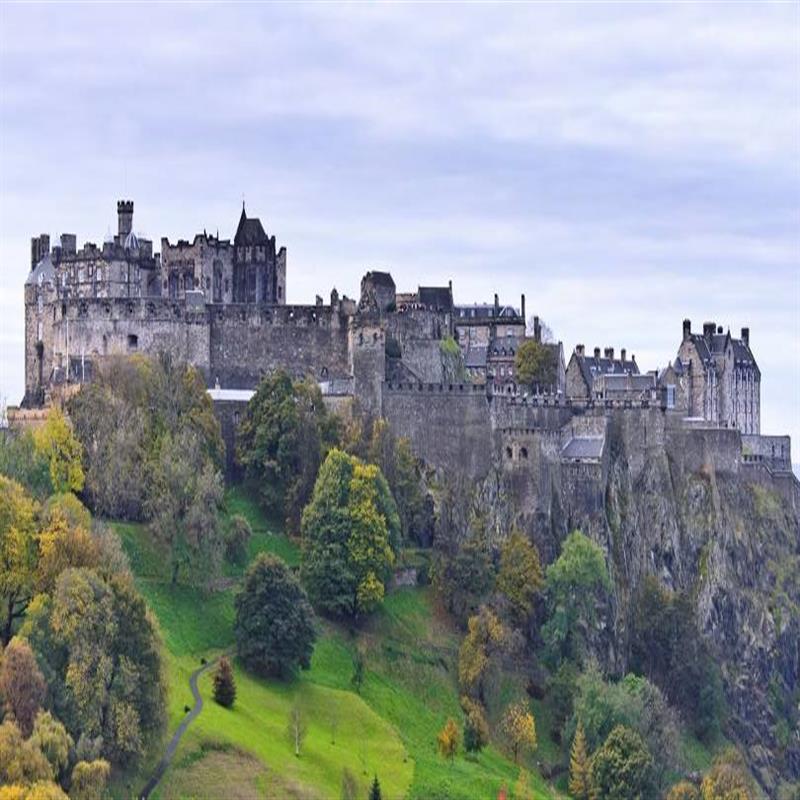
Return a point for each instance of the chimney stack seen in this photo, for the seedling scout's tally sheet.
(687, 329)
(622, 353)
(609, 353)
(708, 329)
(537, 329)
(746, 336)
(496, 306)
(597, 352)
(522, 307)
(124, 218)
(40, 247)
(579, 349)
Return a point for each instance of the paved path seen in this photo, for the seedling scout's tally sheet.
(161, 768)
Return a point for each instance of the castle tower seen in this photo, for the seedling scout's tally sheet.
(124, 218)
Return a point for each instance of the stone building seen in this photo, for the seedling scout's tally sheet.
(718, 377)
(259, 271)
(586, 375)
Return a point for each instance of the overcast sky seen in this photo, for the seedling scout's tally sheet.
(624, 165)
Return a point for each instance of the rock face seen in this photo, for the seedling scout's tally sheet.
(681, 506)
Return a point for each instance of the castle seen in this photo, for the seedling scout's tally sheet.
(439, 372)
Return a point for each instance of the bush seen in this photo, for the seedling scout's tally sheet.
(274, 622)
(224, 684)
(621, 768)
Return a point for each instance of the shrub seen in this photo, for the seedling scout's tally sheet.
(224, 684)
(237, 538)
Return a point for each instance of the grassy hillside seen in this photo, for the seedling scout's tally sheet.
(389, 730)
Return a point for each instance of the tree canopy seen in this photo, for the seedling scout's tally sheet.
(535, 364)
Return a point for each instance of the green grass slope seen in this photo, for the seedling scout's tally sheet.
(409, 691)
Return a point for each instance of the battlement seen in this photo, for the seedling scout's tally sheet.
(434, 388)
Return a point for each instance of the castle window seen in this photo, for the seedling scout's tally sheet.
(509, 453)
(523, 451)
(670, 396)
(133, 341)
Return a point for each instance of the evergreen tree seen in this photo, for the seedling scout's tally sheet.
(622, 766)
(224, 684)
(580, 768)
(375, 790)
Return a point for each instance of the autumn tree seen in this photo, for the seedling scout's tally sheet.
(351, 530)
(575, 582)
(621, 767)
(486, 638)
(684, 790)
(520, 577)
(22, 684)
(580, 768)
(89, 779)
(17, 554)
(522, 788)
(519, 728)
(274, 621)
(56, 442)
(728, 778)
(282, 439)
(224, 684)
(535, 364)
(21, 762)
(447, 740)
(101, 653)
(51, 738)
(476, 727)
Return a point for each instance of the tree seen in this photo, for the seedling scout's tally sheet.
(522, 789)
(21, 762)
(39, 790)
(621, 767)
(575, 582)
(519, 728)
(448, 740)
(535, 364)
(683, 791)
(349, 785)
(350, 531)
(464, 579)
(486, 638)
(20, 461)
(728, 778)
(224, 684)
(274, 621)
(580, 768)
(375, 790)
(520, 577)
(281, 442)
(89, 779)
(561, 694)
(100, 650)
(237, 538)
(17, 554)
(57, 443)
(476, 727)
(183, 505)
(22, 684)
(357, 678)
(53, 741)
(296, 728)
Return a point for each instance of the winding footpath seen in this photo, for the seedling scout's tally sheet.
(161, 768)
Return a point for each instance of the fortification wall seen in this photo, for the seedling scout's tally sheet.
(705, 449)
(775, 451)
(448, 424)
(249, 341)
(418, 333)
(513, 411)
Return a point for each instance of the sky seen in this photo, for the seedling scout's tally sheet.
(624, 165)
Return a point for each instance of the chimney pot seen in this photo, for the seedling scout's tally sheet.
(622, 354)
(708, 329)
(579, 349)
(687, 329)
(746, 336)
(597, 352)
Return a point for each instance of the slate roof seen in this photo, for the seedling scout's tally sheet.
(742, 354)
(475, 357)
(436, 297)
(42, 272)
(504, 346)
(380, 278)
(250, 231)
(591, 367)
(484, 311)
(584, 447)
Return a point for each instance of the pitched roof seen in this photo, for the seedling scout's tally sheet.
(380, 278)
(250, 231)
(590, 367)
(42, 272)
(437, 297)
(485, 311)
(716, 344)
(504, 345)
(584, 447)
(475, 357)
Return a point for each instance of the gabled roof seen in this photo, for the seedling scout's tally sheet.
(380, 278)
(504, 346)
(715, 345)
(591, 367)
(250, 231)
(485, 311)
(436, 297)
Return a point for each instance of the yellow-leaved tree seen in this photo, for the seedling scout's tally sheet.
(56, 441)
(580, 767)
(519, 727)
(448, 740)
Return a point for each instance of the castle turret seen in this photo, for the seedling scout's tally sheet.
(124, 218)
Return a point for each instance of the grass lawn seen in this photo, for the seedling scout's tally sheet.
(409, 691)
